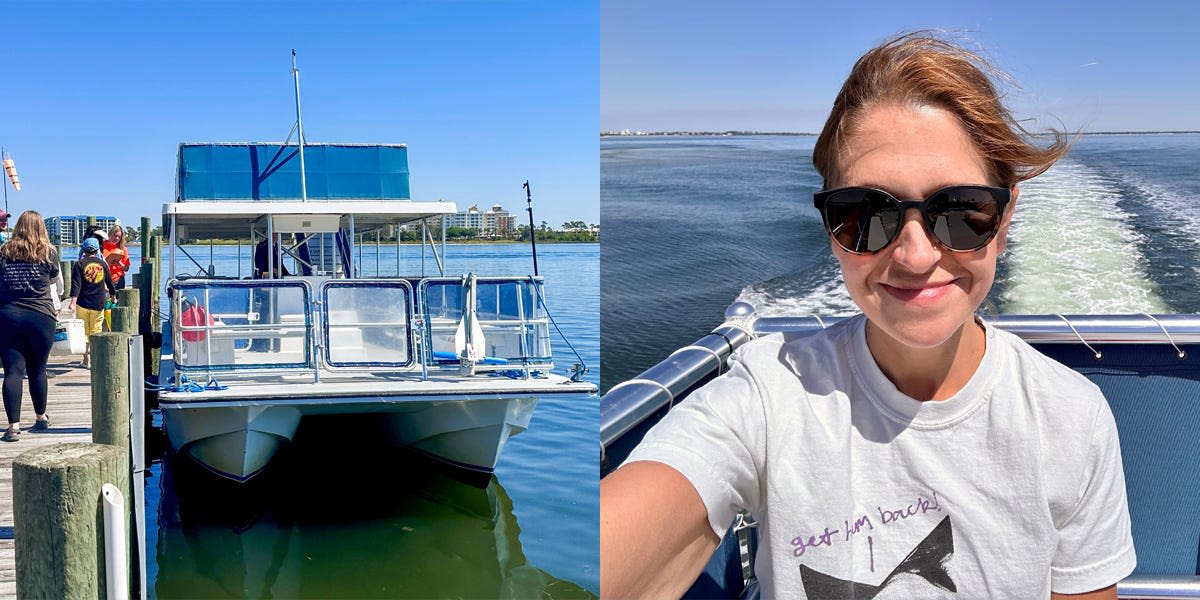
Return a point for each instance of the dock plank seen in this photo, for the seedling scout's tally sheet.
(70, 408)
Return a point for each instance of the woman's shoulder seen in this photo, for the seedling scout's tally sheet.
(1043, 376)
(794, 348)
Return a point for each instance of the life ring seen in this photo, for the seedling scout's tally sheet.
(192, 316)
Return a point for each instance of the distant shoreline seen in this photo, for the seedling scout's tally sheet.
(804, 134)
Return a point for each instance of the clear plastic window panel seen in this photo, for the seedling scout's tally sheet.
(514, 323)
(367, 325)
(232, 326)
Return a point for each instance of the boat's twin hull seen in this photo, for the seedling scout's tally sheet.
(237, 440)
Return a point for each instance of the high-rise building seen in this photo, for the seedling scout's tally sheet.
(497, 222)
(68, 230)
(469, 219)
(492, 223)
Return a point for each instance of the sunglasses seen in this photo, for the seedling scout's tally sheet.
(864, 220)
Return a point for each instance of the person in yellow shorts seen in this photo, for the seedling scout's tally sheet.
(91, 287)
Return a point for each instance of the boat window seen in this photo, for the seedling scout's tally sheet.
(512, 320)
(367, 323)
(241, 324)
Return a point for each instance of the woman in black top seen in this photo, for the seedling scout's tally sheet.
(28, 263)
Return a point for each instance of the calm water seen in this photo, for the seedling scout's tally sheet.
(356, 523)
(693, 224)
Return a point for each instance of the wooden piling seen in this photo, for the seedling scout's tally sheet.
(110, 401)
(125, 315)
(155, 289)
(58, 518)
(124, 320)
(65, 267)
(110, 388)
(149, 322)
(144, 236)
(129, 297)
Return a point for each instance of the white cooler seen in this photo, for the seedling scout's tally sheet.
(68, 338)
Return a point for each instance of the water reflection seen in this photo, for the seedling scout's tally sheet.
(324, 526)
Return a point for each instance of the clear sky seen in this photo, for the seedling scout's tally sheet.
(95, 97)
(1101, 65)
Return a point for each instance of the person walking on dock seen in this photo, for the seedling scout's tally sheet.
(28, 265)
(91, 287)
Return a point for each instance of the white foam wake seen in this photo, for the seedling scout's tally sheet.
(826, 298)
(1073, 249)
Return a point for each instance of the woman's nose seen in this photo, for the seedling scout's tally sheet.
(916, 249)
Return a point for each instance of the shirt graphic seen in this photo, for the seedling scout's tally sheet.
(93, 272)
(927, 561)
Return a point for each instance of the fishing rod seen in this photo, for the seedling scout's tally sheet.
(532, 236)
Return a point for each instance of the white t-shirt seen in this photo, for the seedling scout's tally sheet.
(1010, 489)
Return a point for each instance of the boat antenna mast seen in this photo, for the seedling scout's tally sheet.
(532, 235)
(299, 129)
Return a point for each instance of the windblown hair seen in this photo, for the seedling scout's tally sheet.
(919, 69)
(30, 242)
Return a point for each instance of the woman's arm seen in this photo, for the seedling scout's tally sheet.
(1108, 593)
(654, 533)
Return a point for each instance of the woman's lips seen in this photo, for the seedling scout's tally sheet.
(923, 294)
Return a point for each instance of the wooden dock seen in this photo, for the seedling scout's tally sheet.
(70, 409)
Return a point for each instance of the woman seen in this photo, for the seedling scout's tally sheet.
(912, 449)
(116, 255)
(28, 265)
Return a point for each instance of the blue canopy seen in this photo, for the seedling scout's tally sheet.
(271, 171)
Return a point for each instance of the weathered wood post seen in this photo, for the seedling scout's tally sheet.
(64, 267)
(58, 518)
(149, 319)
(110, 388)
(155, 286)
(130, 297)
(144, 236)
(125, 315)
(110, 401)
(124, 320)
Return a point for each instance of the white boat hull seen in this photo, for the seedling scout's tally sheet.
(235, 435)
(467, 434)
(235, 442)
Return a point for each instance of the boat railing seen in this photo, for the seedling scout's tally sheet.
(1148, 367)
(514, 325)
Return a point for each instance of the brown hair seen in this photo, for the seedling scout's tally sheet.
(30, 242)
(920, 69)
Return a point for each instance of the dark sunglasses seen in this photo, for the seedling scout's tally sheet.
(865, 220)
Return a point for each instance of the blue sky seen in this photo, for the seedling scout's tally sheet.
(97, 96)
(775, 66)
